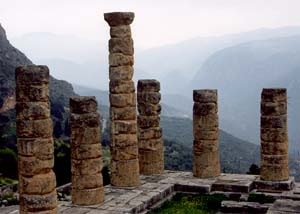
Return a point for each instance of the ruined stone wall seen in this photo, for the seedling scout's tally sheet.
(86, 152)
(151, 151)
(274, 135)
(37, 181)
(206, 134)
(123, 125)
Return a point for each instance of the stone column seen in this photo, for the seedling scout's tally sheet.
(37, 181)
(206, 134)
(123, 125)
(151, 152)
(274, 135)
(86, 152)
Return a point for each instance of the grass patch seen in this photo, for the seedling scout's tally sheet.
(6, 181)
(191, 204)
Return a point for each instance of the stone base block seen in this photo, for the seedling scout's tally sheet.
(262, 185)
(38, 203)
(88, 196)
(234, 183)
(54, 211)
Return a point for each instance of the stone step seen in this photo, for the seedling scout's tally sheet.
(243, 207)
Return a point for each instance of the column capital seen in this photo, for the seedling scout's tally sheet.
(119, 18)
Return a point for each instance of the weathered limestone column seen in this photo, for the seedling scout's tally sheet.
(86, 152)
(274, 135)
(123, 125)
(151, 151)
(37, 181)
(206, 134)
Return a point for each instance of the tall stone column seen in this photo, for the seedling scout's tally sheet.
(151, 152)
(37, 181)
(123, 125)
(206, 134)
(274, 135)
(86, 152)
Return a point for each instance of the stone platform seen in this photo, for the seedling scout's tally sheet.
(155, 189)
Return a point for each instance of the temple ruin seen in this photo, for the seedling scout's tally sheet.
(136, 143)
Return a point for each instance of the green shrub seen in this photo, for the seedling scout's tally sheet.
(8, 163)
(260, 198)
(253, 170)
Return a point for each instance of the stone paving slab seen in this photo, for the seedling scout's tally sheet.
(155, 189)
(243, 207)
(284, 206)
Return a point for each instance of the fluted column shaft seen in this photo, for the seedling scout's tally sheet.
(123, 124)
(274, 135)
(206, 134)
(37, 180)
(151, 152)
(86, 152)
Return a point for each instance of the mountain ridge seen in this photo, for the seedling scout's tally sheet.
(240, 72)
(59, 91)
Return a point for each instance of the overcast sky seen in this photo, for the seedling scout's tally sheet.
(157, 22)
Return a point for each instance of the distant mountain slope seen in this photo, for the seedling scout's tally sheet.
(60, 91)
(85, 62)
(240, 72)
(185, 58)
(236, 155)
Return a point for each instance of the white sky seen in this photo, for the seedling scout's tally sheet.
(157, 22)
